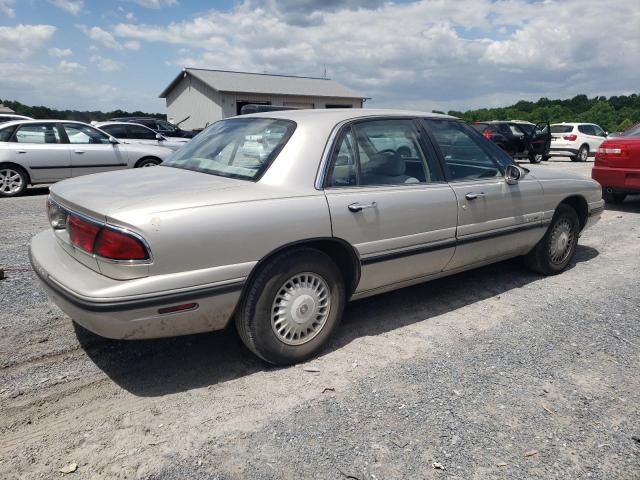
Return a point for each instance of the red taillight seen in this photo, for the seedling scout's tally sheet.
(105, 241)
(117, 245)
(488, 134)
(82, 233)
(571, 138)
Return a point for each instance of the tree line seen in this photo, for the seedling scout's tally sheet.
(45, 113)
(614, 114)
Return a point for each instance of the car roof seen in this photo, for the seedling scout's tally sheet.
(573, 124)
(109, 122)
(337, 115)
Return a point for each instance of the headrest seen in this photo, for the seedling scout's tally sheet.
(389, 165)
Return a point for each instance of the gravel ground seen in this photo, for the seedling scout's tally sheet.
(495, 373)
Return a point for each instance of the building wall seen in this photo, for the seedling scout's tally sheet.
(204, 105)
(192, 98)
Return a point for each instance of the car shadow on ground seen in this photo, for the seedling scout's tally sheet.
(152, 368)
(35, 191)
(631, 204)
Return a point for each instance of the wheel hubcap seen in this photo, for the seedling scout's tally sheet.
(301, 308)
(149, 164)
(562, 239)
(583, 155)
(10, 181)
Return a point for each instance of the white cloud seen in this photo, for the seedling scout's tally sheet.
(106, 38)
(427, 54)
(69, 67)
(59, 52)
(23, 41)
(105, 64)
(130, 16)
(6, 7)
(71, 6)
(132, 45)
(155, 3)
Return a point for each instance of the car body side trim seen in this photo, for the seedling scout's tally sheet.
(80, 166)
(123, 305)
(432, 247)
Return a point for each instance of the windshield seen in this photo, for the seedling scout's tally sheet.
(238, 148)
(632, 132)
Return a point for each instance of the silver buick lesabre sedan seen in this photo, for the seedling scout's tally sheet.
(45, 151)
(334, 205)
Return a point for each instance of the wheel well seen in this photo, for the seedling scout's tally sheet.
(579, 204)
(10, 164)
(150, 157)
(341, 252)
(585, 145)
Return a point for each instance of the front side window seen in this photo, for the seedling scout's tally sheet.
(164, 126)
(598, 131)
(38, 133)
(83, 134)
(465, 159)
(632, 132)
(141, 133)
(380, 152)
(238, 148)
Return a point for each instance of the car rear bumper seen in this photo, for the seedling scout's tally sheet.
(562, 151)
(617, 180)
(129, 316)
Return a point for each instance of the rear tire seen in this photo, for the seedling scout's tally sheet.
(613, 198)
(535, 158)
(557, 248)
(292, 306)
(148, 162)
(13, 180)
(582, 155)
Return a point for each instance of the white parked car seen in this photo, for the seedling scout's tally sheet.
(45, 151)
(135, 133)
(576, 140)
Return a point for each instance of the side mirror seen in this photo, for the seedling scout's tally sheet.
(606, 133)
(113, 141)
(513, 174)
(159, 137)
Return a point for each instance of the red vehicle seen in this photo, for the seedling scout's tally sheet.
(617, 166)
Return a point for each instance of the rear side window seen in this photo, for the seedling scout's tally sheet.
(38, 133)
(141, 133)
(381, 152)
(561, 128)
(464, 158)
(117, 131)
(5, 134)
(586, 129)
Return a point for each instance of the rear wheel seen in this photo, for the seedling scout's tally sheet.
(148, 162)
(582, 155)
(555, 250)
(292, 306)
(535, 158)
(614, 198)
(13, 180)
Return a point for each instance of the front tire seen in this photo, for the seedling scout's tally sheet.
(13, 181)
(292, 306)
(557, 248)
(535, 158)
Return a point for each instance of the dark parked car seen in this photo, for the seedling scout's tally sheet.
(164, 128)
(518, 139)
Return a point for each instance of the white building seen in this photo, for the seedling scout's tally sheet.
(204, 96)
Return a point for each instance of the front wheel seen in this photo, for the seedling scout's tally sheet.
(13, 181)
(535, 158)
(553, 253)
(292, 306)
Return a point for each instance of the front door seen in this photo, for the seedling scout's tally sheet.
(91, 151)
(387, 198)
(495, 219)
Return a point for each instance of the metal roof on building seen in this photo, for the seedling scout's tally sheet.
(225, 81)
(5, 109)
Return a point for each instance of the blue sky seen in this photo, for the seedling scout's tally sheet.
(430, 54)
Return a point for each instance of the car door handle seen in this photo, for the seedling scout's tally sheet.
(474, 195)
(357, 207)
(21, 151)
(79, 152)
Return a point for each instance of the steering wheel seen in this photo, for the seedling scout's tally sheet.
(387, 151)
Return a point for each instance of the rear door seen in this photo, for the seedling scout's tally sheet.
(41, 149)
(495, 220)
(388, 198)
(141, 134)
(91, 151)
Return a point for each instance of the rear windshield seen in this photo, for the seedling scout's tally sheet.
(561, 128)
(238, 148)
(632, 132)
